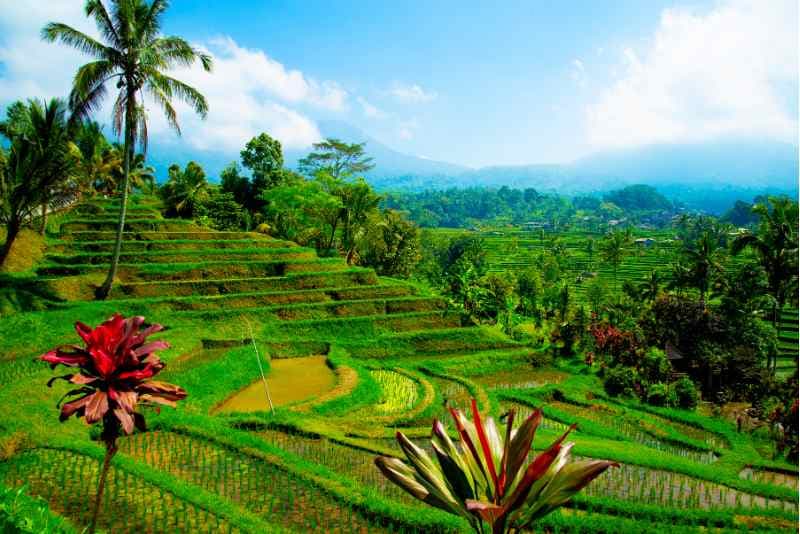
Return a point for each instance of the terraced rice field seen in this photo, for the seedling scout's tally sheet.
(349, 358)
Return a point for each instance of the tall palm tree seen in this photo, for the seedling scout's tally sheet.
(704, 260)
(776, 245)
(613, 249)
(134, 57)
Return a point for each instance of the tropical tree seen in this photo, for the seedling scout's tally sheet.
(263, 155)
(303, 211)
(704, 259)
(113, 377)
(590, 248)
(614, 249)
(485, 479)
(101, 162)
(40, 159)
(339, 159)
(359, 201)
(391, 245)
(134, 57)
(776, 245)
(650, 287)
(185, 189)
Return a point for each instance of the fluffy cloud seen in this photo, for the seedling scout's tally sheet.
(407, 129)
(369, 110)
(578, 72)
(729, 71)
(412, 94)
(248, 92)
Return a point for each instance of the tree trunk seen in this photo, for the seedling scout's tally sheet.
(111, 449)
(130, 123)
(333, 233)
(12, 231)
(43, 227)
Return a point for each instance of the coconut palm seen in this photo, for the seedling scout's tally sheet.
(650, 287)
(776, 245)
(100, 161)
(41, 161)
(704, 259)
(613, 249)
(133, 56)
(185, 190)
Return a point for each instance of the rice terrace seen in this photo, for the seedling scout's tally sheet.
(225, 308)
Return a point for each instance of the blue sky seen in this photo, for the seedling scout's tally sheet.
(475, 83)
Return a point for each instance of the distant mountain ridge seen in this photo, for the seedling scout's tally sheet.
(695, 174)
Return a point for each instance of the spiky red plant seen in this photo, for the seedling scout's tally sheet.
(115, 368)
(485, 479)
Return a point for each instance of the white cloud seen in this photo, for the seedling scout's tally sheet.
(407, 129)
(578, 72)
(413, 94)
(729, 71)
(369, 110)
(248, 92)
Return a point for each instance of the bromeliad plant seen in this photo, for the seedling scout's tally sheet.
(484, 479)
(115, 368)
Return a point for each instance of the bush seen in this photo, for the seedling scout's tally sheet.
(620, 380)
(221, 212)
(655, 365)
(686, 393)
(658, 394)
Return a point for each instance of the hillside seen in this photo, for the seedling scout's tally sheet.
(350, 357)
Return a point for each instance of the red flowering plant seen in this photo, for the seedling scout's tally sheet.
(114, 374)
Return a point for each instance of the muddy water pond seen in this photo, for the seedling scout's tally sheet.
(290, 380)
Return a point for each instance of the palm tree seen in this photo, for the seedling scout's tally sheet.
(100, 161)
(590, 248)
(651, 286)
(133, 56)
(704, 260)
(613, 249)
(185, 190)
(41, 158)
(776, 245)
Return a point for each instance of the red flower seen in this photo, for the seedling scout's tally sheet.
(115, 367)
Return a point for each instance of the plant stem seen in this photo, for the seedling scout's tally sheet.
(111, 449)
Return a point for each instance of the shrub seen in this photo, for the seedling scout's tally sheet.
(686, 393)
(658, 394)
(620, 380)
(655, 365)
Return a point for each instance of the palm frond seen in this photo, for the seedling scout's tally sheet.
(88, 87)
(166, 106)
(98, 11)
(172, 87)
(56, 31)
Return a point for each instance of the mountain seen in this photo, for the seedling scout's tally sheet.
(389, 163)
(708, 176)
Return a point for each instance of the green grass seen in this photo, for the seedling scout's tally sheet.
(392, 356)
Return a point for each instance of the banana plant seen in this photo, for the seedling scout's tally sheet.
(484, 478)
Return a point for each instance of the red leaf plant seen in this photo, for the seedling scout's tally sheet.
(114, 376)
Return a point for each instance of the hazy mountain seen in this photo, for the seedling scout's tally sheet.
(708, 176)
(389, 163)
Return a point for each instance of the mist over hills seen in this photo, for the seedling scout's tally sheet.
(707, 176)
